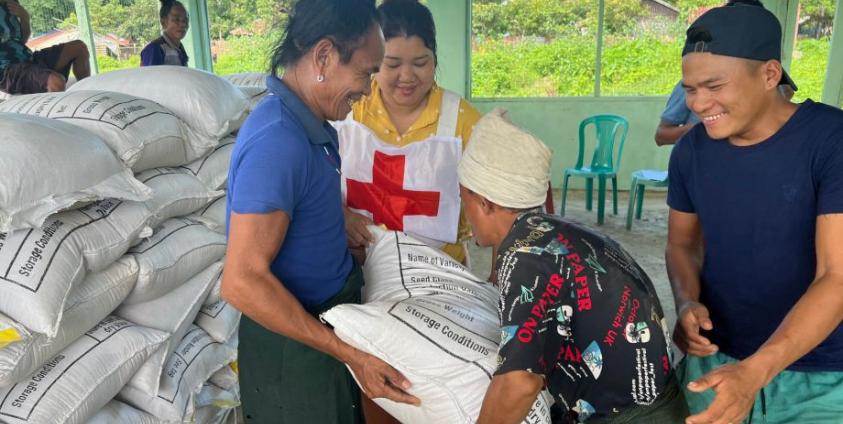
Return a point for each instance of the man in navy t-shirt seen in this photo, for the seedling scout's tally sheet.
(755, 232)
(677, 119)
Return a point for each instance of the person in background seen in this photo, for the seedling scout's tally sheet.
(755, 230)
(677, 118)
(287, 258)
(25, 72)
(168, 49)
(578, 315)
(408, 112)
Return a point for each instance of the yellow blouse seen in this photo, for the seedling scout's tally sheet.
(371, 112)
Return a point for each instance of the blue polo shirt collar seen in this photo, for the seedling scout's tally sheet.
(317, 132)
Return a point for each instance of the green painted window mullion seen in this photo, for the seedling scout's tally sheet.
(598, 58)
(197, 41)
(789, 28)
(467, 47)
(786, 11)
(453, 37)
(83, 20)
(833, 87)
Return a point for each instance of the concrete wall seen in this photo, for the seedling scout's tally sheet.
(556, 122)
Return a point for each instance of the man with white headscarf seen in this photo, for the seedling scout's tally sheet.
(578, 315)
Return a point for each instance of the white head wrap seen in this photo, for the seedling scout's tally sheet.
(505, 164)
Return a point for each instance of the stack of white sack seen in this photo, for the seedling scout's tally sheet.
(196, 359)
(177, 292)
(47, 166)
(213, 405)
(432, 320)
(180, 264)
(73, 385)
(143, 134)
(23, 350)
(218, 396)
(210, 106)
(210, 110)
(76, 271)
(213, 171)
(69, 210)
(252, 84)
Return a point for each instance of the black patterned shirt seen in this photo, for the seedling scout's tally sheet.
(577, 309)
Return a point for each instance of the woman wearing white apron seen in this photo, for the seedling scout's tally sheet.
(401, 145)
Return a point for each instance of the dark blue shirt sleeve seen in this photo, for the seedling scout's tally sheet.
(151, 55)
(270, 173)
(679, 169)
(676, 112)
(830, 186)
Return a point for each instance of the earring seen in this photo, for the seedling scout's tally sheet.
(320, 78)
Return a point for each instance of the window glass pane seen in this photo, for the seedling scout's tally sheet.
(642, 44)
(49, 16)
(533, 48)
(810, 53)
(121, 30)
(244, 32)
(52, 22)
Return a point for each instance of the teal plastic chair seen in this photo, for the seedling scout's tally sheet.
(609, 129)
(641, 179)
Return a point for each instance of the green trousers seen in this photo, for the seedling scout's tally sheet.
(285, 382)
(669, 408)
(792, 397)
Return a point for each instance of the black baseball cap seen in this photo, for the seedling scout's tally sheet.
(738, 30)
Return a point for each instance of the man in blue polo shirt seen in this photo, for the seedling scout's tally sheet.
(755, 232)
(676, 118)
(287, 258)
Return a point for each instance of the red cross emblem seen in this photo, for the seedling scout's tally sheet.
(386, 198)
